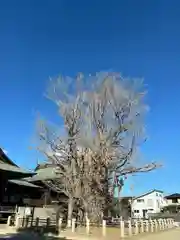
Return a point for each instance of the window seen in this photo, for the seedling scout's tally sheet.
(158, 204)
(150, 202)
(136, 211)
(140, 200)
(174, 200)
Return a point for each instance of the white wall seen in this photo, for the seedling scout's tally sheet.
(170, 201)
(152, 203)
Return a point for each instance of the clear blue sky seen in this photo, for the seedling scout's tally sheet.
(41, 38)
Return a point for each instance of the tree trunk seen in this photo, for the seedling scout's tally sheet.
(70, 211)
(106, 190)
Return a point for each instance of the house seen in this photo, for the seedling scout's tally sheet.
(172, 203)
(148, 203)
(125, 207)
(173, 199)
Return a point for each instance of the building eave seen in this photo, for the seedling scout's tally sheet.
(5, 159)
(24, 183)
(13, 172)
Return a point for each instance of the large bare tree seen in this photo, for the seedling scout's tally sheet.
(103, 119)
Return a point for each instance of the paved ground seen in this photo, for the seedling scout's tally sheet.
(167, 235)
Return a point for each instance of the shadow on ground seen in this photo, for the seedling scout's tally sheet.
(32, 233)
(29, 236)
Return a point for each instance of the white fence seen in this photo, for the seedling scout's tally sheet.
(125, 228)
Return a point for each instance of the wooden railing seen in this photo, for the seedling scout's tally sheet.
(7, 209)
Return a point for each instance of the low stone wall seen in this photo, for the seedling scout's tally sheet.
(43, 212)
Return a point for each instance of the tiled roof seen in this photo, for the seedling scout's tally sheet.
(5, 159)
(175, 195)
(43, 174)
(14, 172)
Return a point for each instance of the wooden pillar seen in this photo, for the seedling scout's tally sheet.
(3, 184)
(48, 220)
(37, 223)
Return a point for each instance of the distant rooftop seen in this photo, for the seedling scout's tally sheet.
(5, 159)
(11, 170)
(147, 193)
(172, 196)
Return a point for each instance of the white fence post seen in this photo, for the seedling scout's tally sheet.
(166, 223)
(17, 222)
(163, 227)
(136, 231)
(87, 226)
(104, 228)
(151, 226)
(73, 225)
(122, 228)
(147, 226)
(142, 226)
(169, 222)
(9, 221)
(129, 228)
(156, 225)
(69, 223)
(159, 223)
(172, 223)
(60, 224)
